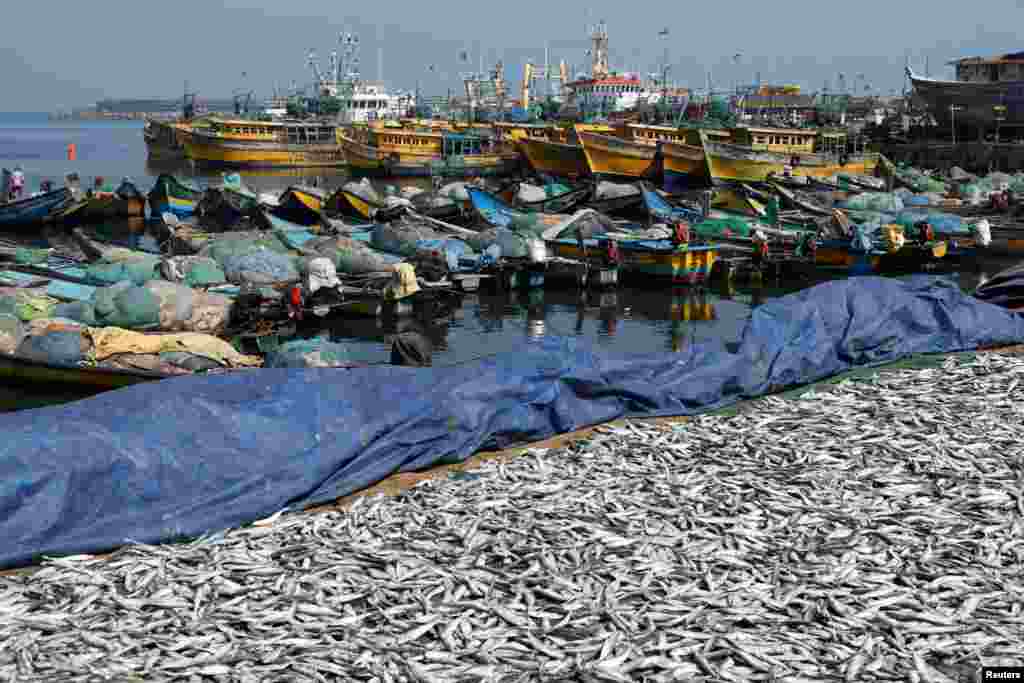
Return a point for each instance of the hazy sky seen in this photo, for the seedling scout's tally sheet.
(70, 54)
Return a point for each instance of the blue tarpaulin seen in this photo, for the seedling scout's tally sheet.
(190, 455)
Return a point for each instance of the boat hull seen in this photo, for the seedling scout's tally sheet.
(15, 369)
(838, 256)
(555, 158)
(212, 151)
(612, 157)
(102, 208)
(735, 163)
(684, 167)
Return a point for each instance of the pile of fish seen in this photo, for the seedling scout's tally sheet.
(870, 530)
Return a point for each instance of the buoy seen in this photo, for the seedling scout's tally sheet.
(72, 152)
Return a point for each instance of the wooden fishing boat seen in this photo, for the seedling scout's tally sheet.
(683, 163)
(170, 195)
(301, 204)
(757, 153)
(265, 144)
(493, 212)
(645, 259)
(34, 211)
(799, 200)
(124, 202)
(18, 369)
(228, 206)
(614, 157)
(563, 202)
(400, 152)
(556, 151)
(838, 255)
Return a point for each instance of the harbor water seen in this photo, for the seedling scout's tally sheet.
(622, 320)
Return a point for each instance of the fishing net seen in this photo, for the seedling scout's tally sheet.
(27, 305)
(79, 311)
(11, 332)
(350, 256)
(189, 362)
(113, 341)
(401, 238)
(176, 302)
(128, 306)
(731, 226)
(873, 201)
(308, 353)
(66, 346)
(510, 244)
(193, 271)
(259, 265)
(30, 257)
(607, 190)
(139, 270)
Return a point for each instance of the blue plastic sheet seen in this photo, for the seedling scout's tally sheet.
(190, 455)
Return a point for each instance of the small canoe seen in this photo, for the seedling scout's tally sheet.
(170, 195)
(801, 200)
(34, 211)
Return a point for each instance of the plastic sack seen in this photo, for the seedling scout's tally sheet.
(175, 302)
(607, 190)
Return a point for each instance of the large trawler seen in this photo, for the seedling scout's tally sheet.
(987, 91)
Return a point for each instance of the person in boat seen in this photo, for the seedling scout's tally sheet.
(17, 186)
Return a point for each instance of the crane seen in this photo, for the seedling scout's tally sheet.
(317, 76)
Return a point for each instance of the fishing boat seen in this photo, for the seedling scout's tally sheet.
(616, 157)
(496, 214)
(396, 151)
(19, 369)
(839, 255)
(124, 202)
(684, 165)
(985, 89)
(801, 200)
(265, 144)
(556, 151)
(301, 204)
(170, 195)
(757, 153)
(35, 211)
(643, 259)
(562, 202)
(227, 206)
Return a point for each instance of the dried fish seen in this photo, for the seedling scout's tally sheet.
(869, 530)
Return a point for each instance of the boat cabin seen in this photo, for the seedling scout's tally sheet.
(786, 140)
(652, 135)
(287, 132)
(1008, 67)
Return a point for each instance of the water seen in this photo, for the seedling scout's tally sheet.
(624, 320)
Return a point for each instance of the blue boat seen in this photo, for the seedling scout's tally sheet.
(492, 210)
(659, 209)
(34, 210)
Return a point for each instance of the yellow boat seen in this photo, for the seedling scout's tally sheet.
(242, 143)
(757, 153)
(556, 150)
(611, 155)
(403, 152)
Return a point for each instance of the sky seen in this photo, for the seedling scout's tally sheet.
(70, 58)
